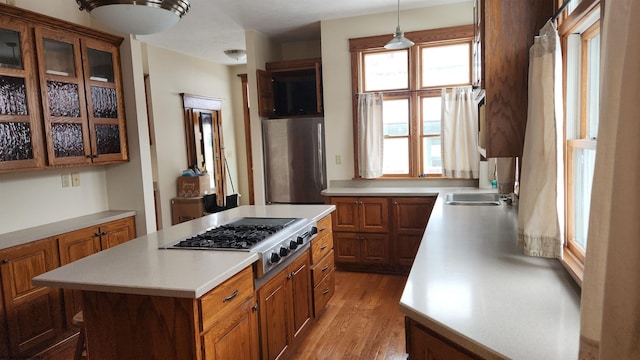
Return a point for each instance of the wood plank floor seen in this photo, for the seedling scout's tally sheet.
(362, 321)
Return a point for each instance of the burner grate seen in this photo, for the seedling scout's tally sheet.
(230, 236)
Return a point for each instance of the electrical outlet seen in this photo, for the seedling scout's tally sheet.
(66, 180)
(338, 159)
(75, 179)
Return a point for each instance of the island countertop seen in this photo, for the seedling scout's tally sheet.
(141, 267)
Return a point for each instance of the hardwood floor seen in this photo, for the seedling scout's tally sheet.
(361, 321)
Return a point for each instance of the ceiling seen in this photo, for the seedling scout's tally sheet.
(212, 26)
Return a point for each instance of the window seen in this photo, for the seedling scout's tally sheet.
(582, 52)
(411, 81)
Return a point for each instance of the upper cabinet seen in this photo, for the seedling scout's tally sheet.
(507, 29)
(290, 88)
(71, 98)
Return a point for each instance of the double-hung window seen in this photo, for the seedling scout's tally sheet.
(411, 81)
(581, 38)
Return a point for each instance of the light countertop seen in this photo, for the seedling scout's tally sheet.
(140, 267)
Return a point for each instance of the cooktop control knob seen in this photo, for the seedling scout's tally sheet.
(300, 240)
(284, 251)
(293, 245)
(274, 258)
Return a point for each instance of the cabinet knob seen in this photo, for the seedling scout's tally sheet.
(103, 233)
(5, 261)
(395, 203)
(97, 234)
(254, 307)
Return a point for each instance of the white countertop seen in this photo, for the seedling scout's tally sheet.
(472, 284)
(140, 267)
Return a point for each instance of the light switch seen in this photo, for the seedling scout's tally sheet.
(338, 159)
(75, 179)
(66, 180)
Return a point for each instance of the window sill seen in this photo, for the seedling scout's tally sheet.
(573, 266)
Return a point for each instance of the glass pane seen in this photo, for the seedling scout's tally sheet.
(431, 114)
(100, 65)
(63, 99)
(13, 96)
(386, 70)
(446, 65)
(67, 140)
(395, 117)
(396, 156)
(58, 57)
(583, 168)
(431, 155)
(15, 141)
(10, 52)
(593, 86)
(105, 102)
(206, 121)
(108, 138)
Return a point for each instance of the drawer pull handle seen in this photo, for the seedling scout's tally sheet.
(323, 246)
(325, 267)
(322, 229)
(230, 297)
(325, 292)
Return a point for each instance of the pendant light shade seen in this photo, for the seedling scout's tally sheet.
(236, 54)
(399, 41)
(140, 17)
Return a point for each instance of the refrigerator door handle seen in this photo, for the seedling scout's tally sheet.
(320, 157)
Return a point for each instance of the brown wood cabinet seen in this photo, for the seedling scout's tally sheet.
(506, 29)
(285, 309)
(78, 244)
(322, 266)
(222, 324)
(409, 217)
(32, 315)
(380, 234)
(425, 344)
(79, 92)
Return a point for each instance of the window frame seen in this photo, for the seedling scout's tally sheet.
(433, 37)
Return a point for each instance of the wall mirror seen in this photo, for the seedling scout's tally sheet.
(205, 146)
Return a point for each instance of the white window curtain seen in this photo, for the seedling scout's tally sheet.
(370, 135)
(541, 208)
(460, 158)
(610, 308)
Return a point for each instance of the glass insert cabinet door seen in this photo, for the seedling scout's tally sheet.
(20, 126)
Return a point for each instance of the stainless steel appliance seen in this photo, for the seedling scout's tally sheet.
(273, 239)
(294, 160)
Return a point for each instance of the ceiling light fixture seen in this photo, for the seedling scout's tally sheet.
(399, 41)
(140, 17)
(236, 54)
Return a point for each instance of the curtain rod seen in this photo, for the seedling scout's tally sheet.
(474, 87)
(560, 10)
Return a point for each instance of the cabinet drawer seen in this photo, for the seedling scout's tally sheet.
(220, 301)
(323, 292)
(322, 268)
(320, 247)
(324, 226)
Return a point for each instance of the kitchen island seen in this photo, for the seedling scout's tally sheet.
(141, 301)
(473, 292)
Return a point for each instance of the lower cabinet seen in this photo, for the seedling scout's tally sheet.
(32, 315)
(285, 309)
(426, 344)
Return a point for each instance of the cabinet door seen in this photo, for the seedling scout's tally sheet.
(20, 125)
(103, 86)
(300, 294)
(117, 232)
(265, 93)
(346, 247)
(409, 217)
(63, 97)
(274, 323)
(235, 336)
(422, 344)
(345, 218)
(75, 246)
(33, 314)
(374, 214)
(374, 248)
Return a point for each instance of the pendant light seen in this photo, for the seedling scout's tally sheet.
(236, 54)
(399, 41)
(140, 17)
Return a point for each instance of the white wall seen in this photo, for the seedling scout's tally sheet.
(238, 160)
(336, 65)
(172, 73)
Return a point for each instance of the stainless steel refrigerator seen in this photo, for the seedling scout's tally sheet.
(294, 158)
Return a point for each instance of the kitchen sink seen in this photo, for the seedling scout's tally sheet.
(478, 199)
